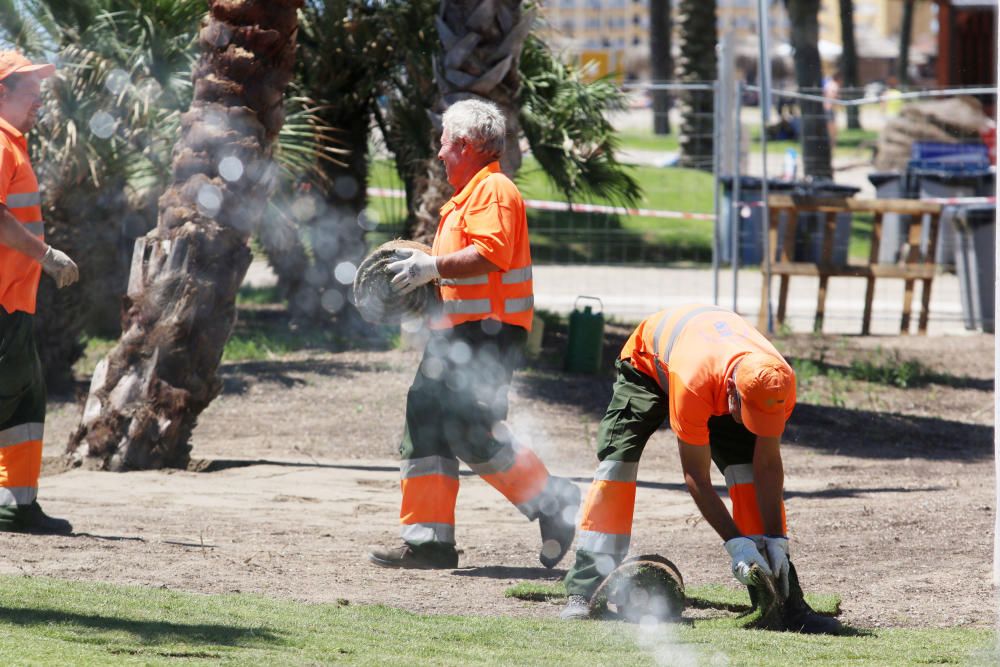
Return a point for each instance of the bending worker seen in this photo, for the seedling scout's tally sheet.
(728, 393)
(23, 256)
(457, 404)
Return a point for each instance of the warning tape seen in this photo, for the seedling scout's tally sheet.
(932, 200)
(541, 205)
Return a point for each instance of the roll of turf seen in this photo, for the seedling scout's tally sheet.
(375, 297)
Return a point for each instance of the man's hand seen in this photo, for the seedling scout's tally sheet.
(744, 553)
(777, 554)
(60, 267)
(413, 269)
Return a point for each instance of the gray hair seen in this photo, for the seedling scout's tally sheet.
(479, 122)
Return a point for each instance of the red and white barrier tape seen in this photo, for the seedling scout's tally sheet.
(540, 205)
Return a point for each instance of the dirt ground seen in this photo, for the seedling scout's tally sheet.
(890, 491)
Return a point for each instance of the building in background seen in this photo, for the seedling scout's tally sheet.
(613, 35)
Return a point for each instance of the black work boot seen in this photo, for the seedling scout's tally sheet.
(577, 608)
(417, 557)
(31, 519)
(800, 617)
(558, 525)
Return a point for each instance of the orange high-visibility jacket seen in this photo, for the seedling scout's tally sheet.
(690, 351)
(489, 214)
(19, 273)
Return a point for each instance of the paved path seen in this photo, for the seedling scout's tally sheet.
(629, 294)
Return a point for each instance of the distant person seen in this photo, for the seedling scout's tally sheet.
(457, 405)
(831, 92)
(24, 254)
(892, 97)
(727, 394)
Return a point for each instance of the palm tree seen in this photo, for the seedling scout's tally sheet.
(147, 393)
(803, 16)
(661, 61)
(480, 48)
(697, 64)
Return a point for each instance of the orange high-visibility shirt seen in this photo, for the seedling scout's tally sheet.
(19, 273)
(487, 213)
(690, 350)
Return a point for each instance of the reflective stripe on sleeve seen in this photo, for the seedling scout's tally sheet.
(467, 306)
(18, 495)
(603, 543)
(428, 465)
(617, 471)
(473, 280)
(519, 305)
(516, 276)
(15, 435)
(419, 533)
(24, 199)
(738, 473)
(37, 228)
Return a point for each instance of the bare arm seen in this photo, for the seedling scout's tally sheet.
(696, 462)
(464, 263)
(14, 235)
(769, 480)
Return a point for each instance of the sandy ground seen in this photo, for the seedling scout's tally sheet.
(890, 492)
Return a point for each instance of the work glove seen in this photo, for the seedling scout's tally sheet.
(60, 267)
(777, 555)
(744, 553)
(413, 268)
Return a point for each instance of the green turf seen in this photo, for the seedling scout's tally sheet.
(47, 621)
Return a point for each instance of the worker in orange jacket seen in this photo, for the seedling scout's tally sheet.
(457, 404)
(23, 256)
(727, 393)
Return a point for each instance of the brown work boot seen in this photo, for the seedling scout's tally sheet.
(558, 526)
(417, 557)
(31, 519)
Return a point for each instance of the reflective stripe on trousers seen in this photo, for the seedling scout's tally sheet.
(606, 523)
(743, 495)
(518, 473)
(430, 488)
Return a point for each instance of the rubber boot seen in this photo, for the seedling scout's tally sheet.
(800, 617)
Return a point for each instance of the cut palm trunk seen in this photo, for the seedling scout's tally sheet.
(146, 395)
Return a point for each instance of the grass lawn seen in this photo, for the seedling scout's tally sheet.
(47, 621)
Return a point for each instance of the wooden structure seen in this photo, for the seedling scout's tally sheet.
(913, 266)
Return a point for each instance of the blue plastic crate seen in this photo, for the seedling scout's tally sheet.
(935, 155)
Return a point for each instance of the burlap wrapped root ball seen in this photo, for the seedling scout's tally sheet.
(375, 297)
(641, 588)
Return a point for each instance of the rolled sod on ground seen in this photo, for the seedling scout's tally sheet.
(642, 587)
(374, 296)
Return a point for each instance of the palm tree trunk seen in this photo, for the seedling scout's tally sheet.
(849, 60)
(698, 35)
(146, 395)
(661, 63)
(481, 43)
(905, 37)
(803, 16)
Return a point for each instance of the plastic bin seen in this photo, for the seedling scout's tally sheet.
(895, 227)
(975, 264)
(809, 234)
(751, 229)
(942, 181)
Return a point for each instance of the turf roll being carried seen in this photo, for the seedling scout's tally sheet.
(375, 297)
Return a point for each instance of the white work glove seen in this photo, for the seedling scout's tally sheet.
(777, 555)
(413, 269)
(60, 267)
(744, 553)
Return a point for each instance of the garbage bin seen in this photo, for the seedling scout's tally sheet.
(895, 227)
(944, 181)
(975, 264)
(751, 229)
(811, 225)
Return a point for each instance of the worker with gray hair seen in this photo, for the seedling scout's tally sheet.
(457, 405)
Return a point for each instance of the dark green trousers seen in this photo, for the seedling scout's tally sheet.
(637, 409)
